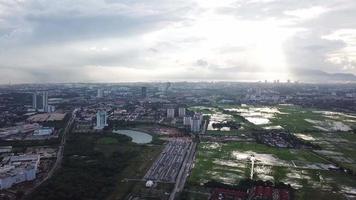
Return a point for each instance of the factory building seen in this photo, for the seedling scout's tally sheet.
(43, 131)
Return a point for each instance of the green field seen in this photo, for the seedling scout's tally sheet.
(216, 161)
(94, 167)
(107, 141)
(209, 153)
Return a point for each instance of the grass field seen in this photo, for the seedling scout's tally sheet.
(107, 141)
(136, 169)
(292, 118)
(95, 167)
(224, 151)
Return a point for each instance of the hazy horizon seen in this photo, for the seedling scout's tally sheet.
(177, 40)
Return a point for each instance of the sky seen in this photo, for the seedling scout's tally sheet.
(43, 41)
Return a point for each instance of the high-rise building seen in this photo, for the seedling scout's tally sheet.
(170, 113)
(101, 120)
(45, 101)
(34, 100)
(195, 124)
(100, 93)
(51, 108)
(186, 121)
(144, 92)
(181, 112)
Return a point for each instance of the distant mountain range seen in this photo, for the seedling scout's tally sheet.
(323, 77)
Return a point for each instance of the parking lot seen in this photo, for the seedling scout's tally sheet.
(168, 164)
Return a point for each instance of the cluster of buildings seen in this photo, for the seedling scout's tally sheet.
(24, 128)
(269, 192)
(171, 112)
(194, 123)
(46, 117)
(40, 102)
(18, 169)
(26, 132)
(257, 192)
(340, 96)
(91, 119)
(280, 139)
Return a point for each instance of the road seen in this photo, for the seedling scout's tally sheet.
(59, 154)
(61, 146)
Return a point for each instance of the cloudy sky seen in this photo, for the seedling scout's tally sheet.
(158, 40)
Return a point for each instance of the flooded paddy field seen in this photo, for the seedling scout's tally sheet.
(312, 172)
(332, 131)
(297, 119)
(283, 117)
(338, 147)
(291, 118)
(218, 115)
(255, 115)
(304, 170)
(294, 118)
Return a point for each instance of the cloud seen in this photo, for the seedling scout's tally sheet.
(202, 63)
(95, 40)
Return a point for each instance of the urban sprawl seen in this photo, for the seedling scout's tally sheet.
(182, 140)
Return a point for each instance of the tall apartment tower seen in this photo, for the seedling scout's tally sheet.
(196, 122)
(144, 92)
(181, 112)
(170, 113)
(186, 121)
(101, 120)
(34, 100)
(45, 101)
(100, 93)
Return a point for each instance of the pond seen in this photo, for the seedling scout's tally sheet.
(138, 137)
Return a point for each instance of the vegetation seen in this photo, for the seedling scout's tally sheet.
(212, 159)
(91, 167)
